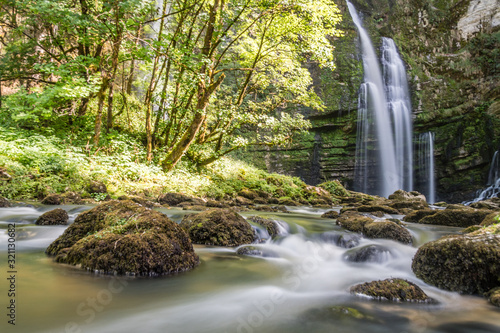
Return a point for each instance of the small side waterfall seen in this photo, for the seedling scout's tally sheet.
(425, 151)
(493, 190)
(383, 144)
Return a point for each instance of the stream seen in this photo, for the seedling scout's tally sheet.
(299, 283)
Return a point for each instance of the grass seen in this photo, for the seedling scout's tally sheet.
(43, 164)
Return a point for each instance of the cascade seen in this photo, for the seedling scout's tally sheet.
(384, 154)
(425, 151)
(493, 190)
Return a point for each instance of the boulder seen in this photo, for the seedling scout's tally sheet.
(269, 225)
(174, 199)
(398, 290)
(331, 214)
(465, 263)
(377, 208)
(490, 219)
(217, 204)
(356, 222)
(368, 253)
(353, 221)
(52, 199)
(417, 215)
(56, 216)
(141, 201)
(413, 205)
(123, 237)
(344, 240)
(492, 204)
(388, 230)
(242, 201)
(272, 209)
(288, 202)
(249, 194)
(249, 250)
(259, 201)
(456, 217)
(4, 203)
(96, 187)
(494, 296)
(401, 195)
(222, 227)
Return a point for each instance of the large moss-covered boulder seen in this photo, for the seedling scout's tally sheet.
(388, 230)
(465, 263)
(124, 237)
(456, 217)
(398, 290)
(356, 222)
(222, 227)
(56, 216)
(353, 221)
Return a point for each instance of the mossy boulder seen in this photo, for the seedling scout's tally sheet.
(124, 237)
(465, 263)
(96, 187)
(331, 214)
(403, 196)
(388, 230)
(413, 205)
(398, 290)
(493, 204)
(174, 199)
(52, 199)
(344, 240)
(137, 199)
(242, 201)
(456, 217)
(494, 296)
(56, 216)
(356, 222)
(254, 251)
(353, 221)
(222, 227)
(272, 209)
(249, 194)
(417, 215)
(269, 225)
(368, 253)
(335, 188)
(4, 203)
(491, 219)
(377, 208)
(288, 202)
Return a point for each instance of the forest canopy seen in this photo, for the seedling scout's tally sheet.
(189, 78)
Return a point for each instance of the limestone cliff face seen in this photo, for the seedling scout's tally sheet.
(452, 52)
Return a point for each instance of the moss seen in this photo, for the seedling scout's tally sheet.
(353, 221)
(494, 296)
(416, 216)
(399, 290)
(4, 203)
(222, 227)
(456, 217)
(270, 225)
(491, 219)
(124, 237)
(174, 199)
(388, 230)
(335, 188)
(464, 263)
(52, 199)
(377, 208)
(331, 214)
(56, 216)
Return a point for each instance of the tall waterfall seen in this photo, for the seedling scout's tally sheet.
(425, 151)
(384, 139)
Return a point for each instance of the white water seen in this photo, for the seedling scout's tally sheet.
(493, 190)
(425, 146)
(291, 291)
(384, 161)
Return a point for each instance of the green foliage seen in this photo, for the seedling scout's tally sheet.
(335, 188)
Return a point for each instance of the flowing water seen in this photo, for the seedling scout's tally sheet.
(493, 189)
(426, 178)
(384, 154)
(299, 283)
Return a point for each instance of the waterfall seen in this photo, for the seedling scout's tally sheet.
(493, 190)
(425, 151)
(383, 144)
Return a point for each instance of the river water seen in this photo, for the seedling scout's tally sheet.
(300, 283)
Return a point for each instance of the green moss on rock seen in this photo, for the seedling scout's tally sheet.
(124, 237)
(56, 216)
(456, 217)
(222, 227)
(398, 290)
(270, 225)
(465, 263)
(388, 230)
